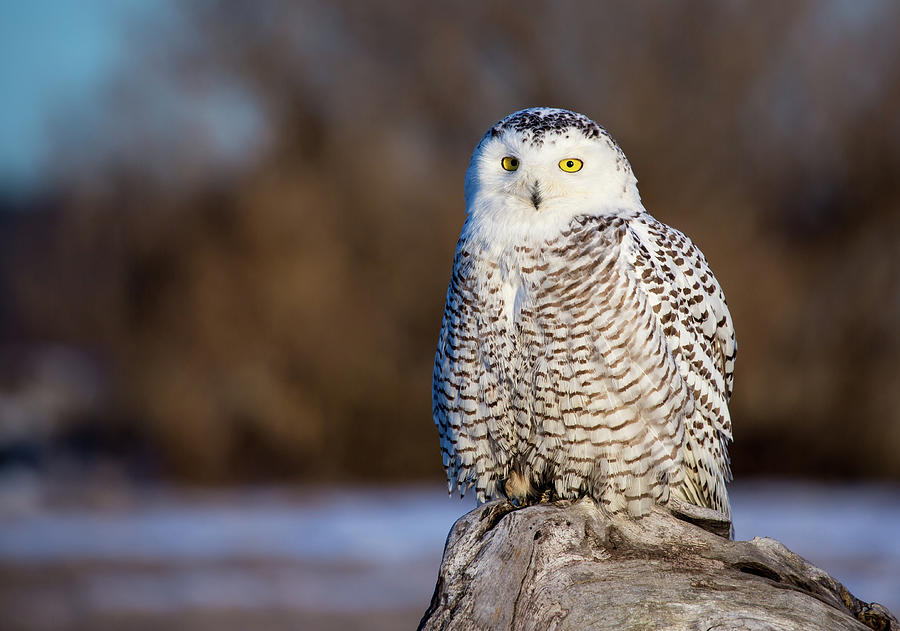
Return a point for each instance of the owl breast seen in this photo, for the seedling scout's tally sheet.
(566, 386)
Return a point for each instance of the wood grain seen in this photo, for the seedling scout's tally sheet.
(567, 565)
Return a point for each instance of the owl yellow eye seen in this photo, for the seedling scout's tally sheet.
(570, 165)
(509, 163)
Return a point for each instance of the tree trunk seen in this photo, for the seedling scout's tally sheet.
(568, 565)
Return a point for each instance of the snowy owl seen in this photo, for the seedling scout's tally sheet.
(586, 348)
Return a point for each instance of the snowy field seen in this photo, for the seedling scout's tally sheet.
(333, 558)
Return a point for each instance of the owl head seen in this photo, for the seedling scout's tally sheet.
(544, 165)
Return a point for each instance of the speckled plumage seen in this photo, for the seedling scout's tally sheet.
(586, 348)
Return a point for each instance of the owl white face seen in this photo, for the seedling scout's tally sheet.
(542, 166)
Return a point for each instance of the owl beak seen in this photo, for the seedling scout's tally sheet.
(536, 195)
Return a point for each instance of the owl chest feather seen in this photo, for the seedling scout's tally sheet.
(539, 293)
(513, 291)
(580, 358)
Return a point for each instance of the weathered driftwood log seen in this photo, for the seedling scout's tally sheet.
(569, 566)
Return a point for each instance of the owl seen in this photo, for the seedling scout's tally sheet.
(586, 348)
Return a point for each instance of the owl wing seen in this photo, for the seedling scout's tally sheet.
(690, 305)
(470, 398)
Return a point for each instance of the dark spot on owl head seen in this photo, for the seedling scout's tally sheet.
(537, 124)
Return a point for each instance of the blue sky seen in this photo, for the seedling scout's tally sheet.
(59, 59)
(53, 55)
(56, 58)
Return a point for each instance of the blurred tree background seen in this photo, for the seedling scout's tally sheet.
(234, 262)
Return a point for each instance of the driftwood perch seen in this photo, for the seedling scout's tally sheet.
(570, 566)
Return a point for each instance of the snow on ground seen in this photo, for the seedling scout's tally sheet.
(355, 551)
